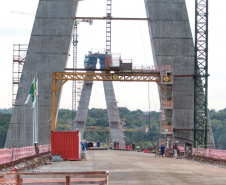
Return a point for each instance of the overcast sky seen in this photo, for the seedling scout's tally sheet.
(130, 38)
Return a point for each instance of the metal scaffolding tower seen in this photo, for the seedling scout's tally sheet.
(201, 72)
(19, 54)
(75, 86)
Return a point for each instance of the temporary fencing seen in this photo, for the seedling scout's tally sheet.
(210, 153)
(5, 155)
(44, 148)
(9, 155)
(207, 152)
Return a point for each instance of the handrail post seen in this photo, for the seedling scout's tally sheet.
(68, 180)
(18, 180)
(53, 102)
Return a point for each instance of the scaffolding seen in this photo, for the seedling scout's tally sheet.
(19, 55)
(201, 73)
(166, 102)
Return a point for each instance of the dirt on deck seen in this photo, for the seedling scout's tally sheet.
(137, 168)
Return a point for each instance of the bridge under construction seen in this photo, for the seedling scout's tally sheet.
(184, 115)
(120, 167)
(181, 72)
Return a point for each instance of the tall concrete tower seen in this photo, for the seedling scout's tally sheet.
(48, 52)
(172, 44)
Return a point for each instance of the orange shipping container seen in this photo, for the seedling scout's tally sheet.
(66, 144)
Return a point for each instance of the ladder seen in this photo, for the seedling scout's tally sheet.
(108, 26)
(74, 83)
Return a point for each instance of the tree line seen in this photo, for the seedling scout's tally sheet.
(133, 120)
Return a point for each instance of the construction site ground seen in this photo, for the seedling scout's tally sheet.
(135, 168)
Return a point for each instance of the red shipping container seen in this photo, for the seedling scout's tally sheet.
(67, 144)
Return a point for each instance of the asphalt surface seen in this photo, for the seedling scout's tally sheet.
(137, 168)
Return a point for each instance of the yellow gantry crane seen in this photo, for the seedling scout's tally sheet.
(162, 77)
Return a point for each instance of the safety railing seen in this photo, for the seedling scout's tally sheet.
(9, 155)
(90, 177)
(5, 155)
(207, 152)
(152, 68)
(44, 148)
(210, 153)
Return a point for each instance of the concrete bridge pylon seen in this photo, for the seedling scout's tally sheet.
(48, 52)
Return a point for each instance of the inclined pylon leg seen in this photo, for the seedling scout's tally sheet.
(113, 115)
(81, 115)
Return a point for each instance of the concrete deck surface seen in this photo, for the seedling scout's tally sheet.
(136, 168)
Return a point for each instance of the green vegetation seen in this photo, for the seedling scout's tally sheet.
(4, 125)
(218, 121)
(133, 119)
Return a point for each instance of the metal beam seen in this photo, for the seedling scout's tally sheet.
(105, 129)
(184, 139)
(63, 77)
(114, 18)
(126, 77)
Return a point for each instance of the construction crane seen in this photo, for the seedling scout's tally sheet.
(201, 73)
(75, 52)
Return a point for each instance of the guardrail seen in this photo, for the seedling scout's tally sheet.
(210, 153)
(89, 177)
(207, 152)
(9, 155)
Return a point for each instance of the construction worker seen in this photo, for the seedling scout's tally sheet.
(83, 143)
(114, 144)
(36, 148)
(111, 146)
(133, 146)
(117, 144)
(98, 143)
(162, 149)
(86, 144)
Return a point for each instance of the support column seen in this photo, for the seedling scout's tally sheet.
(48, 52)
(113, 115)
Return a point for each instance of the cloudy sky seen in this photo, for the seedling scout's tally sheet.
(130, 38)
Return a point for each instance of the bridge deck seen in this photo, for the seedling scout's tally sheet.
(135, 168)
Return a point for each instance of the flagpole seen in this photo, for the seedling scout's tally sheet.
(37, 108)
(33, 128)
(33, 93)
